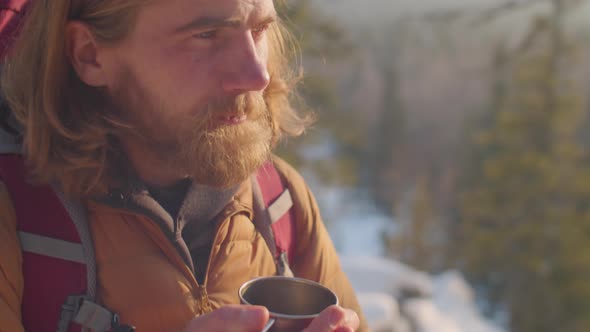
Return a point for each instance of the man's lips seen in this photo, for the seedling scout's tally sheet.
(233, 119)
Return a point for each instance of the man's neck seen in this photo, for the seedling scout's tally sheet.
(149, 167)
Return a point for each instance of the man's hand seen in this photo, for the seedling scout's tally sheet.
(335, 319)
(232, 318)
(242, 318)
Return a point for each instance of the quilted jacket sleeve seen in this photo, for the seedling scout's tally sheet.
(11, 279)
(316, 258)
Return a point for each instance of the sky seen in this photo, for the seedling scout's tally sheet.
(376, 12)
(370, 10)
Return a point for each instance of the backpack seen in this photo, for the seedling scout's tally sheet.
(60, 248)
(11, 12)
(59, 267)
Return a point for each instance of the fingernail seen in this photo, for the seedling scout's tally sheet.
(350, 315)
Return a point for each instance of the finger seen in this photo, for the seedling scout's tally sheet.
(241, 318)
(233, 318)
(328, 320)
(351, 321)
(344, 329)
(333, 318)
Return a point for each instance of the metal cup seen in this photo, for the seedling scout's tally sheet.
(292, 302)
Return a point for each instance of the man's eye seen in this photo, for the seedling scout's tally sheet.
(206, 34)
(259, 30)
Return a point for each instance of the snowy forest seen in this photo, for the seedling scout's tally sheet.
(466, 124)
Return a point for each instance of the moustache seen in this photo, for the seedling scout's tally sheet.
(251, 105)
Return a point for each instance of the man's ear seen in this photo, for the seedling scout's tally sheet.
(84, 54)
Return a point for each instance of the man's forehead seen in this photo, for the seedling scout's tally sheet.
(242, 10)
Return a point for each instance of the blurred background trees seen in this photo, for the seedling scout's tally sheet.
(469, 126)
(522, 214)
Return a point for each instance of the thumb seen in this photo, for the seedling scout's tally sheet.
(232, 318)
(334, 318)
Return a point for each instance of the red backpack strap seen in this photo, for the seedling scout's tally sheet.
(11, 12)
(48, 281)
(55, 262)
(274, 216)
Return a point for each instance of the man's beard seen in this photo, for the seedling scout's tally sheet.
(224, 155)
(200, 145)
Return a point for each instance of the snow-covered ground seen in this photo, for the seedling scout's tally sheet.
(395, 297)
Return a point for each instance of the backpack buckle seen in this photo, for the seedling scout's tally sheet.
(79, 309)
(69, 310)
(118, 327)
(282, 263)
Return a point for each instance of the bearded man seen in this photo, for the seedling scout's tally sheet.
(155, 114)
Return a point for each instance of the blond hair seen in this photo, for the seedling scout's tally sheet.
(67, 138)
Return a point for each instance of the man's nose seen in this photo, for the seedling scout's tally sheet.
(247, 69)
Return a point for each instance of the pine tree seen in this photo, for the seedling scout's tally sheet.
(413, 243)
(319, 38)
(524, 211)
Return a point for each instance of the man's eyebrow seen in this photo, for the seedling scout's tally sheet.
(269, 19)
(207, 22)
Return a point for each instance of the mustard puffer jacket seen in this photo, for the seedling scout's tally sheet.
(143, 278)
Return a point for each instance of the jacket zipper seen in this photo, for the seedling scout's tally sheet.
(200, 291)
(235, 207)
